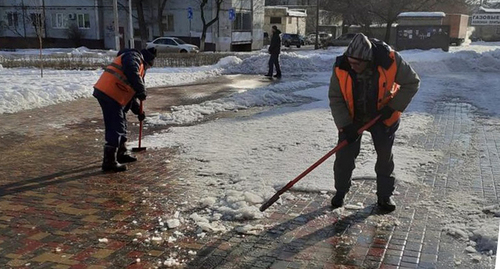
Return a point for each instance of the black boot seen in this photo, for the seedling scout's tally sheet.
(109, 163)
(277, 75)
(338, 199)
(123, 157)
(386, 203)
(268, 75)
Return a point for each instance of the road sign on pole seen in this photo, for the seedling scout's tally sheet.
(232, 14)
(190, 13)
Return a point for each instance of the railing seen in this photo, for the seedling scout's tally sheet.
(86, 62)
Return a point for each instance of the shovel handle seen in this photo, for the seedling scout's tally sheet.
(141, 110)
(313, 166)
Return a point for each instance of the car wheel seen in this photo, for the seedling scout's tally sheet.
(183, 51)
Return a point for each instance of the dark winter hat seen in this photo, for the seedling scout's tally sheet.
(275, 27)
(149, 55)
(360, 48)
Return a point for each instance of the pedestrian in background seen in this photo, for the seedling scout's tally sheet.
(117, 91)
(368, 80)
(274, 50)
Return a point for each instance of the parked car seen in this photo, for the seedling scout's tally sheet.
(172, 45)
(342, 40)
(311, 38)
(291, 40)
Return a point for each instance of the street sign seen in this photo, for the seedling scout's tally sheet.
(190, 13)
(485, 19)
(232, 14)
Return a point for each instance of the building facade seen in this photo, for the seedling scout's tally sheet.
(291, 21)
(67, 23)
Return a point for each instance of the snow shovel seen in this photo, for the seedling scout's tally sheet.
(139, 148)
(312, 167)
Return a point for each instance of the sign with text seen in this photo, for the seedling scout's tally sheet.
(232, 14)
(486, 19)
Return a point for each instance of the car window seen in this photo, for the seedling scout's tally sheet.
(170, 42)
(179, 41)
(158, 41)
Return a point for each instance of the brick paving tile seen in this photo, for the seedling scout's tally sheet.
(57, 207)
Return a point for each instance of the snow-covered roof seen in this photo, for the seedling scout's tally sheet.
(296, 13)
(490, 10)
(422, 14)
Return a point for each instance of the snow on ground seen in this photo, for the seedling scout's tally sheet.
(24, 89)
(238, 163)
(238, 169)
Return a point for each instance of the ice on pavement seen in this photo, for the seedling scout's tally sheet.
(245, 160)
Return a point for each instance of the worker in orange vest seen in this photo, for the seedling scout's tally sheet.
(368, 80)
(117, 91)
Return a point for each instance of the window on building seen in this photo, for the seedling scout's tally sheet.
(289, 20)
(13, 19)
(168, 23)
(60, 20)
(83, 21)
(275, 20)
(498, 30)
(242, 21)
(36, 20)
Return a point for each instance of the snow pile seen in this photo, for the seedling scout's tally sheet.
(266, 96)
(291, 63)
(24, 89)
(437, 62)
(473, 222)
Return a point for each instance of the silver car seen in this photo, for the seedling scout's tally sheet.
(172, 45)
(342, 40)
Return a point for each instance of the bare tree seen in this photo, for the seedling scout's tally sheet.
(143, 29)
(161, 7)
(388, 10)
(37, 19)
(206, 24)
(75, 34)
(364, 12)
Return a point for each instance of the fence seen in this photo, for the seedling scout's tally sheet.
(86, 62)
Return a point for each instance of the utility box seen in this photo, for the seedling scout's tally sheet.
(422, 30)
(458, 27)
(422, 37)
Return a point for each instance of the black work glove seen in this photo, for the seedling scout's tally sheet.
(350, 132)
(142, 116)
(386, 113)
(141, 96)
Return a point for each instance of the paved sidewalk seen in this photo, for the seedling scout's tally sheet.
(59, 211)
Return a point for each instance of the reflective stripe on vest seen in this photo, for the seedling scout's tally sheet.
(115, 84)
(387, 88)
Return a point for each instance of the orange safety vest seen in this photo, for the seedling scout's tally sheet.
(387, 88)
(115, 84)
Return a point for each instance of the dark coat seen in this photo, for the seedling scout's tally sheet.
(275, 46)
(406, 77)
(131, 61)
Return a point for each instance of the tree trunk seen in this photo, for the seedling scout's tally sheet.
(142, 23)
(388, 28)
(202, 39)
(210, 23)
(160, 16)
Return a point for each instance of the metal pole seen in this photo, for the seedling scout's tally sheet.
(130, 25)
(117, 31)
(316, 45)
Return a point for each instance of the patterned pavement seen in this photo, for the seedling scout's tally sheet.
(59, 211)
